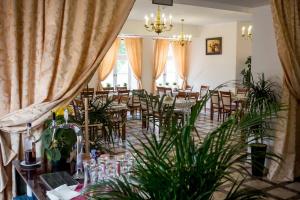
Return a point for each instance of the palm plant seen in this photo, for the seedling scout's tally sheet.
(99, 114)
(176, 167)
(262, 98)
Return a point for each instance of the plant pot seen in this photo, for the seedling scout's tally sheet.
(258, 157)
(60, 165)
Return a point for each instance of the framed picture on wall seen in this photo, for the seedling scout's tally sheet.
(214, 46)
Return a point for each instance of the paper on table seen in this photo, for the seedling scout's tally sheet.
(63, 192)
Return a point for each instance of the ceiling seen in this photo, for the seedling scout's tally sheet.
(244, 3)
(194, 13)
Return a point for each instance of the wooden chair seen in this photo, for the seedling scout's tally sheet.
(145, 111)
(204, 89)
(118, 88)
(102, 95)
(168, 91)
(78, 109)
(215, 104)
(87, 94)
(160, 91)
(226, 104)
(188, 88)
(123, 96)
(241, 91)
(194, 96)
(111, 89)
(181, 95)
(134, 103)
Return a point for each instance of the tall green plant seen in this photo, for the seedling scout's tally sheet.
(262, 98)
(176, 167)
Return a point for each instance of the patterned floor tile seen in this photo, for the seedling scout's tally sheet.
(204, 126)
(282, 193)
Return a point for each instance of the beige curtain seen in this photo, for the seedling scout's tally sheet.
(181, 58)
(286, 19)
(161, 48)
(48, 51)
(134, 52)
(108, 62)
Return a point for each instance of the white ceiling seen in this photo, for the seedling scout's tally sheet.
(244, 3)
(194, 15)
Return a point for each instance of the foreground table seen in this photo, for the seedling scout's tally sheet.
(30, 178)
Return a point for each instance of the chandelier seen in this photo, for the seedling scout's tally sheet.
(182, 38)
(158, 24)
(247, 35)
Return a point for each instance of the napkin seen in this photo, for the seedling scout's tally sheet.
(62, 192)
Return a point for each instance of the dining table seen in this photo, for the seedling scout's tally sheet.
(182, 106)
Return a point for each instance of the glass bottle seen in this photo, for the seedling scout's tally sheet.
(29, 147)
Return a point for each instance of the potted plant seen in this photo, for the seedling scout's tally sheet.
(262, 99)
(176, 167)
(160, 84)
(167, 84)
(125, 84)
(58, 149)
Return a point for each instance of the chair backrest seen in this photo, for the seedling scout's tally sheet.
(78, 108)
(181, 95)
(144, 99)
(188, 87)
(215, 98)
(87, 94)
(242, 91)
(88, 90)
(226, 99)
(203, 90)
(194, 95)
(135, 98)
(168, 91)
(160, 91)
(102, 95)
(121, 88)
(108, 88)
(123, 96)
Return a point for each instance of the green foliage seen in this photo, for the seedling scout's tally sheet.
(247, 74)
(176, 167)
(63, 142)
(99, 115)
(262, 98)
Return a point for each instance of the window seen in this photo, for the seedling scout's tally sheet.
(170, 75)
(122, 73)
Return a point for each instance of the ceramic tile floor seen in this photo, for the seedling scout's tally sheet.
(277, 191)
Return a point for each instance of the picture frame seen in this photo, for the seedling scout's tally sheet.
(163, 2)
(213, 46)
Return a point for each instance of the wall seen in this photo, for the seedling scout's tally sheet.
(244, 49)
(264, 54)
(214, 70)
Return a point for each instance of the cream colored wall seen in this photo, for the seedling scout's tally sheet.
(244, 49)
(204, 69)
(214, 70)
(265, 56)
